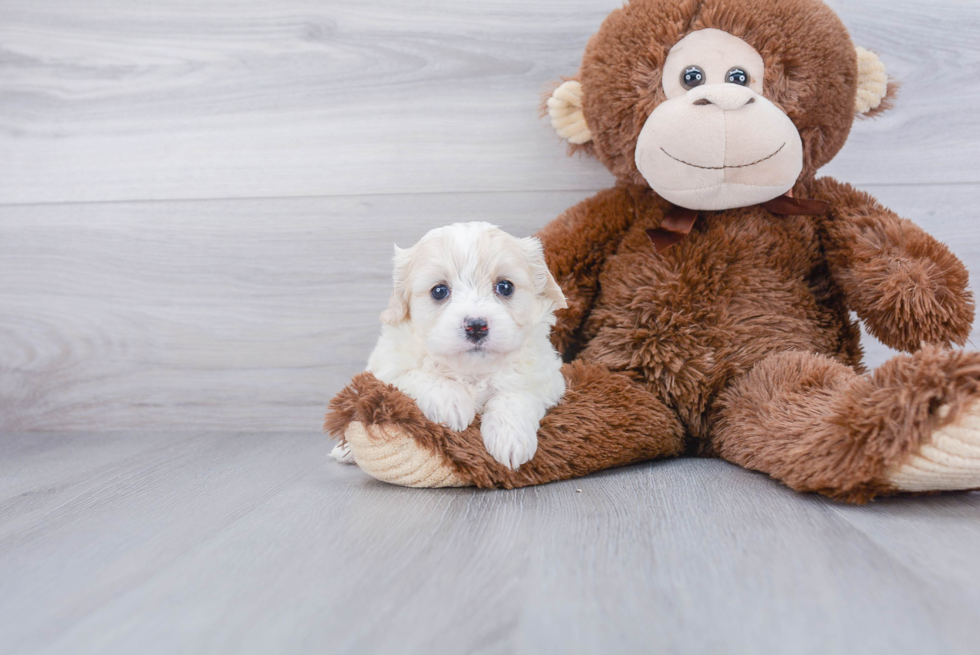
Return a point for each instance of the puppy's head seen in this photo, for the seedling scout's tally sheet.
(471, 289)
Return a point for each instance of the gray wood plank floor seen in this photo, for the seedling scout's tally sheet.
(197, 206)
(252, 543)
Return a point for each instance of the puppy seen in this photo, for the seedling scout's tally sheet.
(466, 333)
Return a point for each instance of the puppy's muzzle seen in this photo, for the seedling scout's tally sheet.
(476, 329)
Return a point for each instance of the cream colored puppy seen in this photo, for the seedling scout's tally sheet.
(466, 333)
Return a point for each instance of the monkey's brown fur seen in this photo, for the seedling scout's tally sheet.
(738, 341)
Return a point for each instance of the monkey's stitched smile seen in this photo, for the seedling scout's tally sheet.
(719, 168)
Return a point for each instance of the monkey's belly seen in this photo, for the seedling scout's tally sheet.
(686, 341)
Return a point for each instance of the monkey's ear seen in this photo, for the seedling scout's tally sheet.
(401, 294)
(565, 110)
(874, 92)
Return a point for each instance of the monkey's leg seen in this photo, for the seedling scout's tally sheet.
(603, 421)
(816, 425)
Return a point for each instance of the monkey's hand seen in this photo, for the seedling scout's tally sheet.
(906, 286)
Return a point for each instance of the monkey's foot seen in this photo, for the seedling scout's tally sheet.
(949, 461)
(603, 421)
(390, 454)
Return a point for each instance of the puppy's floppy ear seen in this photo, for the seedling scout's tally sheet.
(544, 282)
(401, 293)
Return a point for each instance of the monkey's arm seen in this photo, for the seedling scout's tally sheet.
(576, 245)
(905, 285)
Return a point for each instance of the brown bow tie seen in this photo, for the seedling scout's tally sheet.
(679, 221)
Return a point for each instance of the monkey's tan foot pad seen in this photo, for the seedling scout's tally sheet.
(388, 453)
(949, 461)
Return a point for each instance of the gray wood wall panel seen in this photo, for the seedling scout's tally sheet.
(125, 305)
(173, 99)
(245, 314)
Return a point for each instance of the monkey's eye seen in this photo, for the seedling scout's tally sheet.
(439, 292)
(692, 77)
(504, 287)
(737, 76)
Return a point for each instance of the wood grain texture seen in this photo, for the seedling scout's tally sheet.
(246, 314)
(170, 99)
(248, 543)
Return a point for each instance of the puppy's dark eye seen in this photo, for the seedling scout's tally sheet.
(691, 77)
(440, 292)
(504, 287)
(737, 76)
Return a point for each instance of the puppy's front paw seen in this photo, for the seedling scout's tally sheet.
(449, 404)
(341, 453)
(512, 439)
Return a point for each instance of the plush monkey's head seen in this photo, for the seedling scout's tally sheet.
(717, 104)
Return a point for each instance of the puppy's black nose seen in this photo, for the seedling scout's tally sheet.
(476, 328)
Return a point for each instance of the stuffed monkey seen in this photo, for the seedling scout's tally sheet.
(710, 291)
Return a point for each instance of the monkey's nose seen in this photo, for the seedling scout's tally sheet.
(476, 328)
(726, 97)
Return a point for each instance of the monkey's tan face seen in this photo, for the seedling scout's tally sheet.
(716, 142)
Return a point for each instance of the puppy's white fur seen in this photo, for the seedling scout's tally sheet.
(513, 375)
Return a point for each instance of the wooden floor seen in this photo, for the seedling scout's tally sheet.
(197, 206)
(252, 543)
